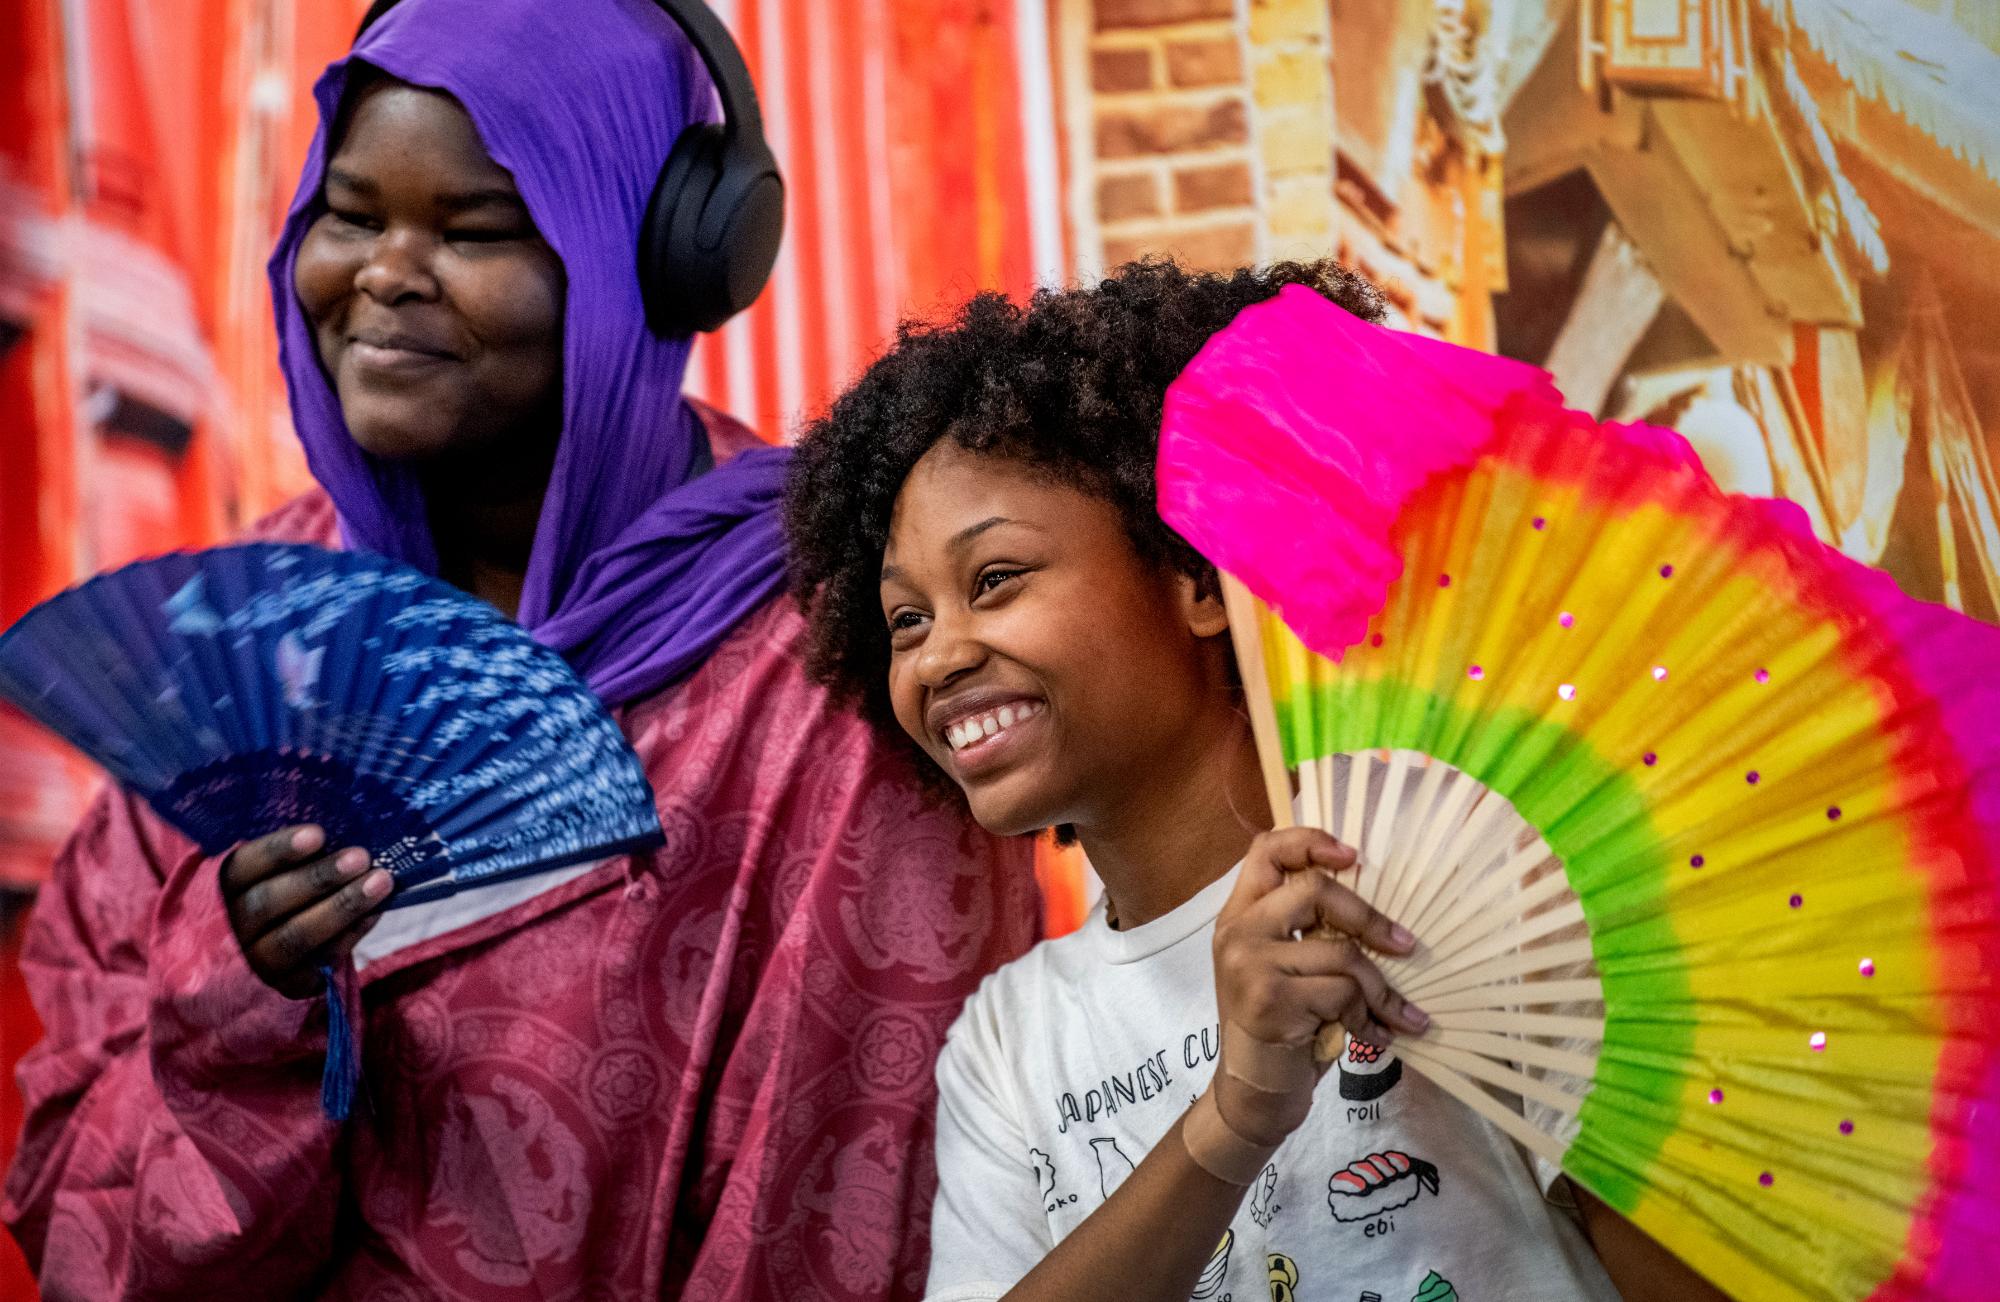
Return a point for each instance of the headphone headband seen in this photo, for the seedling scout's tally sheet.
(711, 41)
(711, 230)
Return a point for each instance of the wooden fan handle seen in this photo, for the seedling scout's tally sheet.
(1248, 640)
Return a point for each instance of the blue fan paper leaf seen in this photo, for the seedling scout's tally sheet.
(243, 689)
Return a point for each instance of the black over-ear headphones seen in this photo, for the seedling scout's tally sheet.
(712, 227)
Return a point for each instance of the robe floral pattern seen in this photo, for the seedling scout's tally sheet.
(701, 1073)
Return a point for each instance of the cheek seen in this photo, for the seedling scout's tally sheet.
(906, 697)
(1125, 675)
(513, 306)
(322, 275)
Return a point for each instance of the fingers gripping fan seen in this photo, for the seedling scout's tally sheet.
(1696, 821)
(244, 689)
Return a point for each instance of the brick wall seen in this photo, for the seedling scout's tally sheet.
(1208, 130)
(1210, 134)
(1291, 46)
(1173, 167)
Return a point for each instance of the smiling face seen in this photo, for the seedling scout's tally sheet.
(435, 304)
(1046, 665)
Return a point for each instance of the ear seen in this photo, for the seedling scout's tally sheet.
(1201, 604)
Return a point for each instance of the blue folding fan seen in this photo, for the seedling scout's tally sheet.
(247, 688)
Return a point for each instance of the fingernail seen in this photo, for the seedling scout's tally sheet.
(1400, 935)
(306, 839)
(351, 862)
(1418, 1017)
(376, 884)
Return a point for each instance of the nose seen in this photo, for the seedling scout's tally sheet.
(950, 650)
(398, 267)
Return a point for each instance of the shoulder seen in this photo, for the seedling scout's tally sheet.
(307, 518)
(1018, 1000)
(757, 671)
(727, 435)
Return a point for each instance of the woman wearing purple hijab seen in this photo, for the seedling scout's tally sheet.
(703, 1072)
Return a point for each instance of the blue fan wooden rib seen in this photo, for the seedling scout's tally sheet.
(243, 689)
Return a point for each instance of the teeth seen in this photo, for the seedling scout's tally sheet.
(967, 731)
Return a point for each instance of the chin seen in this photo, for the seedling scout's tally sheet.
(390, 432)
(1009, 807)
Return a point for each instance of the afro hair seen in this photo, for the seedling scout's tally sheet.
(1070, 385)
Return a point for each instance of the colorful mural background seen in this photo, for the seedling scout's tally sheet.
(1772, 224)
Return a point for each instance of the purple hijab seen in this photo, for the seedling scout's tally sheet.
(641, 563)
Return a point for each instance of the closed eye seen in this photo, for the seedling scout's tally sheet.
(485, 236)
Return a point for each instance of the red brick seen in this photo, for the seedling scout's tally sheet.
(1121, 198)
(1152, 13)
(1171, 128)
(1209, 248)
(1113, 71)
(1205, 63)
(1222, 185)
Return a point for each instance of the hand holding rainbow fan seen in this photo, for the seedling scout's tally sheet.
(1697, 821)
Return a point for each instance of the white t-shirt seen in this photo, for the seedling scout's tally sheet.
(1070, 1063)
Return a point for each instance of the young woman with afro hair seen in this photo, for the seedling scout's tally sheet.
(975, 541)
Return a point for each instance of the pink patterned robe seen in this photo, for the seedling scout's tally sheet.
(703, 1073)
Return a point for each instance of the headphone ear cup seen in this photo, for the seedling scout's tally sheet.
(711, 231)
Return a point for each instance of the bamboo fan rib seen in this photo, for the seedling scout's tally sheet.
(1492, 927)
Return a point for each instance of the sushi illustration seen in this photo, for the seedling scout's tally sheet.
(1284, 1276)
(1435, 1288)
(1266, 1184)
(1210, 1282)
(1367, 1071)
(1381, 1182)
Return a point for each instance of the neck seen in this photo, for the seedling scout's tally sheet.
(1169, 839)
(483, 519)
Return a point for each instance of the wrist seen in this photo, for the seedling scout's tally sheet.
(1259, 1116)
(1216, 1146)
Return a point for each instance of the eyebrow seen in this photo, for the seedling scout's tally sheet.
(964, 536)
(460, 202)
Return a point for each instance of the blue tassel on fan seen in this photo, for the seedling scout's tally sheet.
(247, 688)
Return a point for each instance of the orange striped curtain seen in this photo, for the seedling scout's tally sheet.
(919, 145)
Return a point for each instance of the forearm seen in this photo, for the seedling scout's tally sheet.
(172, 1136)
(114, 1196)
(1642, 1270)
(1153, 1235)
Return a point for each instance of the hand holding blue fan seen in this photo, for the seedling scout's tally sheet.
(246, 689)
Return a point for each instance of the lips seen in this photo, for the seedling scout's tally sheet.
(980, 729)
(397, 348)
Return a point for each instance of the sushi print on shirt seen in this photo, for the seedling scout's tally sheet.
(1070, 1064)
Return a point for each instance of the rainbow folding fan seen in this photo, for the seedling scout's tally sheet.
(1697, 821)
